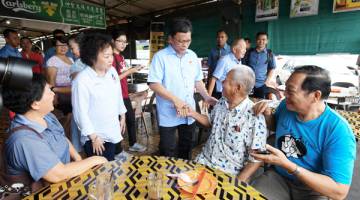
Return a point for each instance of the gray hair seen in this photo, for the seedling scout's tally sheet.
(236, 42)
(244, 76)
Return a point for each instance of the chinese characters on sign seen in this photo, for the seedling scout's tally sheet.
(62, 11)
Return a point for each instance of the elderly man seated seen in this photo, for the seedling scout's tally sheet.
(315, 147)
(235, 129)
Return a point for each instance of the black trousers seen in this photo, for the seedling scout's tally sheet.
(261, 92)
(109, 152)
(130, 121)
(170, 147)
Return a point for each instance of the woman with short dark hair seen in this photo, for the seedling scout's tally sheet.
(96, 98)
(37, 145)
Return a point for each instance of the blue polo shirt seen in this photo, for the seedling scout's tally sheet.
(216, 54)
(9, 51)
(260, 63)
(224, 65)
(178, 75)
(26, 152)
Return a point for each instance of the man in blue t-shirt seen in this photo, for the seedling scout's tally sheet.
(262, 61)
(315, 147)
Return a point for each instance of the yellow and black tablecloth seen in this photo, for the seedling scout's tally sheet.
(131, 180)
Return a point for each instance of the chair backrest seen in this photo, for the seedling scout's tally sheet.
(137, 100)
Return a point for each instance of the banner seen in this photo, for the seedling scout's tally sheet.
(300, 8)
(346, 5)
(157, 37)
(266, 10)
(61, 11)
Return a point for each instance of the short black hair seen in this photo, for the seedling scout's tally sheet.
(261, 33)
(7, 32)
(247, 39)
(58, 31)
(220, 31)
(91, 45)
(117, 33)
(25, 38)
(62, 39)
(316, 78)
(19, 101)
(180, 25)
(77, 38)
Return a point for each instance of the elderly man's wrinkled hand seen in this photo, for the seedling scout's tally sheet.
(276, 157)
(262, 107)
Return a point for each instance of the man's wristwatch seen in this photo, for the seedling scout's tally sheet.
(295, 172)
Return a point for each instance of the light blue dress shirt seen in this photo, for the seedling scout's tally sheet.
(27, 152)
(178, 75)
(8, 51)
(224, 65)
(216, 54)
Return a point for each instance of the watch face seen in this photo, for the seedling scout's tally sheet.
(291, 146)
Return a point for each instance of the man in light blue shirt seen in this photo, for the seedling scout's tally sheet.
(221, 49)
(12, 42)
(174, 73)
(225, 64)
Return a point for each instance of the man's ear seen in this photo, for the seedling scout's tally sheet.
(317, 95)
(35, 105)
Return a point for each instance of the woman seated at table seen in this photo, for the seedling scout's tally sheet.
(37, 145)
(96, 98)
(235, 130)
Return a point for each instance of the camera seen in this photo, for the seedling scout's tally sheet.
(15, 73)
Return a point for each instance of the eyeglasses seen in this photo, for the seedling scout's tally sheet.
(186, 42)
(122, 42)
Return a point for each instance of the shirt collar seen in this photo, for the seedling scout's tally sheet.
(171, 50)
(21, 119)
(93, 73)
(232, 55)
(240, 107)
(263, 51)
(8, 46)
(226, 47)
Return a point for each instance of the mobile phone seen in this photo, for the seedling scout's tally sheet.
(265, 152)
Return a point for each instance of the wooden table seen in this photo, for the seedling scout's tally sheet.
(131, 179)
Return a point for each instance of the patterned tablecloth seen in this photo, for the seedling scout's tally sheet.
(354, 120)
(131, 181)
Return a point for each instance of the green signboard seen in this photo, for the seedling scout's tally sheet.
(63, 11)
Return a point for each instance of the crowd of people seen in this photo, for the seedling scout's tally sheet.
(313, 155)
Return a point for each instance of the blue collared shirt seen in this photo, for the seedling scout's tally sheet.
(77, 66)
(178, 76)
(224, 65)
(27, 152)
(9, 51)
(216, 54)
(260, 63)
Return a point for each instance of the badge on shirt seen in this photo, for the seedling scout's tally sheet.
(113, 77)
